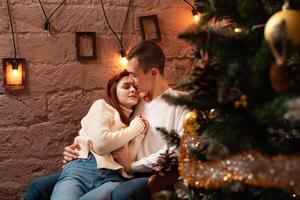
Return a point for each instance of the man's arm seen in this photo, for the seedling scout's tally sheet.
(122, 157)
(146, 164)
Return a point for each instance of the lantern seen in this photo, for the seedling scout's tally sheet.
(14, 73)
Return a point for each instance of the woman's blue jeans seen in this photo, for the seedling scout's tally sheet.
(81, 179)
(41, 188)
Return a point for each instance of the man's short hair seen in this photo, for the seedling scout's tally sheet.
(149, 55)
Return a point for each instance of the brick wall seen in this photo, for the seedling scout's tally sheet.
(38, 122)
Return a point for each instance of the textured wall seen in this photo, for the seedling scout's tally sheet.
(38, 122)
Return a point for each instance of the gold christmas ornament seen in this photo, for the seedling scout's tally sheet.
(283, 26)
(190, 122)
(242, 102)
(291, 19)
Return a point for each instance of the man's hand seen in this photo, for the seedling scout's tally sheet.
(70, 153)
(122, 157)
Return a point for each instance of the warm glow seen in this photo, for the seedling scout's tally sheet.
(196, 18)
(237, 30)
(14, 76)
(123, 62)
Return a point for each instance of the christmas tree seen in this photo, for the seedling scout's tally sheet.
(242, 136)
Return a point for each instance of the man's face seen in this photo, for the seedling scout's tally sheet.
(140, 79)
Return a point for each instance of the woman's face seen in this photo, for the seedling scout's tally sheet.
(126, 92)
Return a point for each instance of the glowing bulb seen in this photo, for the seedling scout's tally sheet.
(196, 18)
(14, 76)
(123, 62)
(238, 30)
(225, 178)
(14, 72)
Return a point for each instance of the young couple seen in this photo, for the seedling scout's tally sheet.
(118, 144)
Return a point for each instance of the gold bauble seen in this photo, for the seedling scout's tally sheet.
(190, 122)
(291, 18)
(213, 113)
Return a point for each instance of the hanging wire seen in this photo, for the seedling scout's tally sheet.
(56, 9)
(189, 3)
(46, 17)
(194, 11)
(123, 29)
(12, 29)
(125, 21)
(43, 11)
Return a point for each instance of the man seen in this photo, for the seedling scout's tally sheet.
(146, 66)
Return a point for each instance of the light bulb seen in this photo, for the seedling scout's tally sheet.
(123, 62)
(47, 28)
(238, 30)
(14, 72)
(14, 75)
(196, 18)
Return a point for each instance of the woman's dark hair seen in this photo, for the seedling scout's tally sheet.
(111, 95)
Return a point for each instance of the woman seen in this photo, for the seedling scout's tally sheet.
(107, 127)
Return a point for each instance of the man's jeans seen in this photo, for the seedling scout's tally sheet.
(134, 189)
(41, 188)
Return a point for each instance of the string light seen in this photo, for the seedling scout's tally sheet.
(12, 28)
(13, 68)
(196, 14)
(47, 25)
(237, 30)
(122, 61)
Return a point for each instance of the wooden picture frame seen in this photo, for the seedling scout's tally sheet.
(86, 46)
(149, 26)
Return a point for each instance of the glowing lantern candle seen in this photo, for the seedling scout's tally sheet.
(14, 73)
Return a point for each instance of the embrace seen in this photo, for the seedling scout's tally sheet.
(118, 144)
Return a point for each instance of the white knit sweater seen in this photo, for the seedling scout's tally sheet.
(102, 125)
(159, 113)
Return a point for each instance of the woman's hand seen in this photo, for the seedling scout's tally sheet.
(70, 153)
(146, 124)
(122, 157)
